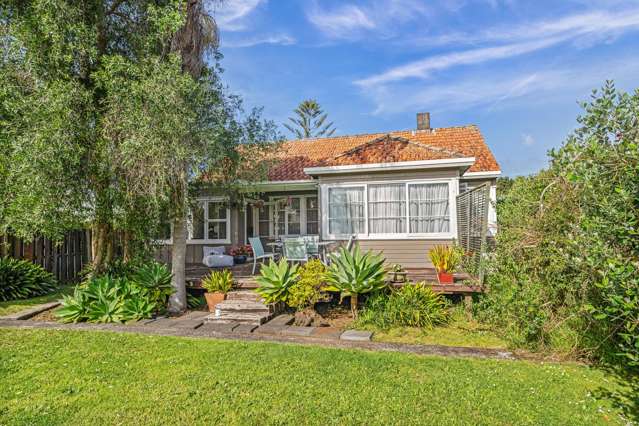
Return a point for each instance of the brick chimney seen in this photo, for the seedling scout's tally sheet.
(423, 121)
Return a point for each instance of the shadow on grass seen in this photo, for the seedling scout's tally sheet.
(624, 398)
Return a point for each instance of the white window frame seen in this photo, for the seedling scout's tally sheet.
(206, 240)
(453, 188)
(271, 209)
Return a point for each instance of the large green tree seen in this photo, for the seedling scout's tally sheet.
(310, 121)
(109, 114)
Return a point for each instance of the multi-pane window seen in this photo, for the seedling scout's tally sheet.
(312, 216)
(390, 208)
(217, 220)
(346, 211)
(209, 220)
(387, 208)
(429, 208)
(264, 221)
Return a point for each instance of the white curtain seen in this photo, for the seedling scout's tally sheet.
(429, 208)
(345, 211)
(387, 209)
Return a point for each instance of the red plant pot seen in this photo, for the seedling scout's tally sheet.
(445, 278)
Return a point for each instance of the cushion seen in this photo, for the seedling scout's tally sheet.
(206, 250)
(218, 260)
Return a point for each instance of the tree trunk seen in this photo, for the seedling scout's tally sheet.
(99, 246)
(126, 245)
(177, 301)
(354, 297)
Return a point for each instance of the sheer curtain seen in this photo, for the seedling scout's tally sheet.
(387, 209)
(429, 208)
(345, 211)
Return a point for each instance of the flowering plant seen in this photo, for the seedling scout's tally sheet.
(243, 250)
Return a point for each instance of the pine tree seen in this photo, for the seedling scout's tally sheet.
(310, 121)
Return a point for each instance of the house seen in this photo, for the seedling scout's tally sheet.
(395, 191)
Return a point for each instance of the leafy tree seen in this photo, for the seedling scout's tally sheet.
(310, 121)
(565, 274)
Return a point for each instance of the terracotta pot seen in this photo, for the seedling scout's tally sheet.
(445, 278)
(213, 299)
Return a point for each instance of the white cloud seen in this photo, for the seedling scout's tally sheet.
(351, 21)
(527, 139)
(423, 68)
(280, 39)
(231, 15)
(591, 28)
(492, 89)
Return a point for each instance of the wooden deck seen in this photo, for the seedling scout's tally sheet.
(246, 280)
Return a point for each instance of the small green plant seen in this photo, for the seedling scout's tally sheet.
(276, 279)
(355, 273)
(413, 305)
(307, 290)
(194, 301)
(218, 281)
(397, 268)
(21, 279)
(446, 258)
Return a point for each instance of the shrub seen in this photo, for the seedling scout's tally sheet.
(276, 279)
(307, 290)
(355, 273)
(218, 281)
(115, 299)
(21, 279)
(446, 258)
(413, 305)
(566, 266)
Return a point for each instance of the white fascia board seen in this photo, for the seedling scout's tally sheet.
(400, 165)
(286, 185)
(481, 175)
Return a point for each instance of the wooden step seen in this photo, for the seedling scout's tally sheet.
(245, 318)
(243, 306)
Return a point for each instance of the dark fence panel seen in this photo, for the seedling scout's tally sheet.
(64, 259)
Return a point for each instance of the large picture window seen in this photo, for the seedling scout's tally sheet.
(346, 211)
(381, 210)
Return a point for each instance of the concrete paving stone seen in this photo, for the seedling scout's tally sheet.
(161, 323)
(281, 320)
(245, 328)
(188, 324)
(196, 315)
(326, 333)
(293, 330)
(219, 327)
(269, 329)
(357, 335)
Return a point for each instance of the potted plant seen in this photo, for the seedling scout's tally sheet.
(399, 275)
(445, 259)
(241, 253)
(217, 284)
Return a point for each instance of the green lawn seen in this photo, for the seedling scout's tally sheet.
(13, 306)
(71, 377)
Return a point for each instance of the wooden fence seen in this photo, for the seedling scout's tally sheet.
(64, 259)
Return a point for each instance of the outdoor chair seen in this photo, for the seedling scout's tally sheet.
(312, 245)
(258, 251)
(295, 250)
(348, 246)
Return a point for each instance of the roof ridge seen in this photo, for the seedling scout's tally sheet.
(382, 133)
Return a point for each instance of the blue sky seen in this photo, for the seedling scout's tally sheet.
(515, 68)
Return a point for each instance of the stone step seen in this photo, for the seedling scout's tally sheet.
(244, 295)
(239, 317)
(243, 306)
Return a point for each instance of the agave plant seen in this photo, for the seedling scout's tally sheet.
(21, 279)
(74, 308)
(276, 279)
(154, 279)
(355, 273)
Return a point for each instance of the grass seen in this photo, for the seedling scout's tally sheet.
(460, 331)
(54, 377)
(13, 306)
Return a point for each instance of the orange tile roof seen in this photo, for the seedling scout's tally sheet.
(406, 145)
